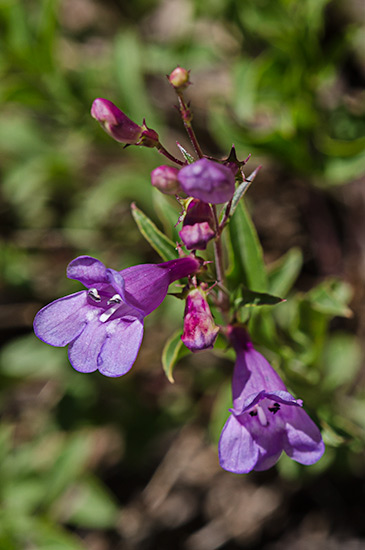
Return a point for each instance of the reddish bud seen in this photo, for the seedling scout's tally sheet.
(179, 78)
(200, 330)
(198, 225)
(164, 178)
(120, 127)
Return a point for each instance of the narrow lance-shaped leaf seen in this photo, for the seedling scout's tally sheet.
(251, 298)
(173, 350)
(241, 190)
(162, 244)
(187, 156)
(247, 263)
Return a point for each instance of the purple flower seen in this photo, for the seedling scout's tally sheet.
(208, 181)
(200, 330)
(120, 127)
(104, 324)
(198, 225)
(265, 419)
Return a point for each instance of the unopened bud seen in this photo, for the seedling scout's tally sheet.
(200, 330)
(164, 178)
(120, 127)
(179, 78)
(198, 225)
(208, 181)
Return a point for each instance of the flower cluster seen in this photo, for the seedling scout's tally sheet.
(103, 324)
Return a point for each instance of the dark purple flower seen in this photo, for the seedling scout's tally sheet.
(200, 330)
(265, 419)
(198, 225)
(164, 178)
(120, 127)
(208, 181)
(104, 324)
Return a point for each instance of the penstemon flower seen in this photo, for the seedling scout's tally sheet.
(266, 419)
(104, 324)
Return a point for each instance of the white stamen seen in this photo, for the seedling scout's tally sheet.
(116, 299)
(94, 294)
(262, 416)
(108, 313)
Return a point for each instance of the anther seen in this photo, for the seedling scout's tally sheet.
(94, 294)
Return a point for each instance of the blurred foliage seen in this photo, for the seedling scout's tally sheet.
(281, 79)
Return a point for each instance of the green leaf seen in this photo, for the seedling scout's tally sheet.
(173, 350)
(247, 263)
(341, 350)
(251, 298)
(284, 272)
(168, 212)
(90, 505)
(331, 297)
(241, 190)
(162, 244)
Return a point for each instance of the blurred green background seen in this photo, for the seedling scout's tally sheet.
(123, 464)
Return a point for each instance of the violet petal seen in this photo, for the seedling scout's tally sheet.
(120, 349)
(238, 452)
(63, 320)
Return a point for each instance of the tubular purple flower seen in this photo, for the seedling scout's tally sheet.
(265, 419)
(208, 181)
(104, 324)
(198, 225)
(120, 127)
(164, 178)
(200, 330)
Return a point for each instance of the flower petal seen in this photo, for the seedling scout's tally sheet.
(89, 271)
(120, 347)
(145, 286)
(84, 351)
(63, 320)
(238, 452)
(303, 441)
(253, 374)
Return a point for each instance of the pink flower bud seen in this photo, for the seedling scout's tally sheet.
(198, 225)
(120, 127)
(200, 331)
(179, 78)
(164, 178)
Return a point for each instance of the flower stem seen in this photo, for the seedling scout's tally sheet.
(161, 149)
(187, 117)
(223, 299)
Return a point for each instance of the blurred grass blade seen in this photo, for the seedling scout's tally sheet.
(163, 246)
(247, 263)
(284, 272)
